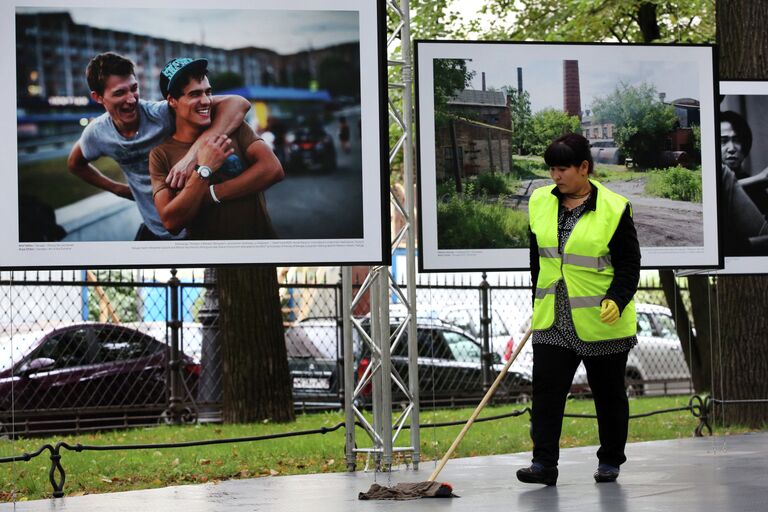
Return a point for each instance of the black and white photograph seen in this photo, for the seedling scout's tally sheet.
(195, 133)
(487, 111)
(744, 176)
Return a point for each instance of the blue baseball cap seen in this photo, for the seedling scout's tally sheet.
(178, 68)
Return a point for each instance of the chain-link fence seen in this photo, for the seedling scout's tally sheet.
(82, 350)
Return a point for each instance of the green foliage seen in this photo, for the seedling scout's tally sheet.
(641, 120)
(531, 167)
(450, 77)
(676, 183)
(690, 21)
(547, 125)
(696, 137)
(431, 19)
(50, 182)
(123, 300)
(493, 184)
(464, 223)
(520, 112)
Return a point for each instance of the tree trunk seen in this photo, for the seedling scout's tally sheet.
(257, 383)
(706, 320)
(455, 153)
(696, 348)
(741, 358)
(648, 22)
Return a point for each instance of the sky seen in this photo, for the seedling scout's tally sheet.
(544, 79)
(282, 31)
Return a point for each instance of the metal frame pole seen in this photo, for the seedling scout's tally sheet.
(379, 282)
(349, 366)
(410, 210)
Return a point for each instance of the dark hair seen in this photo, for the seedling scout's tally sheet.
(741, 128)
(570, 149)
(102, 66)
(177, 87)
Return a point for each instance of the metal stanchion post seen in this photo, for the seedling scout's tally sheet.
(485, 321)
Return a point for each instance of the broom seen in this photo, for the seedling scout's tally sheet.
(430, 488)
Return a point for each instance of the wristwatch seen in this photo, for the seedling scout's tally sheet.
(203, 171)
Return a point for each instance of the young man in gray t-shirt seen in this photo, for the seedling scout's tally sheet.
(128, 131)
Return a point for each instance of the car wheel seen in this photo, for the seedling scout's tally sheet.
(186, 416)
(633, 383)
(523, 398)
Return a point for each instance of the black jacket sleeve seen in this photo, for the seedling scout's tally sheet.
(534, 262)
(625, 258)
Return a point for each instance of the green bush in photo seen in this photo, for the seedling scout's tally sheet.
(492, 184)
(464, 223)
(676, 183)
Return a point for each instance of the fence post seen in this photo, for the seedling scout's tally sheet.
(487, 359)
(173, 413)
(209, 389)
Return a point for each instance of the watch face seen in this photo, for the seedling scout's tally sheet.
(204, 171)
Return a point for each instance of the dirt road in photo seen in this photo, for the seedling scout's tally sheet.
(660, 222)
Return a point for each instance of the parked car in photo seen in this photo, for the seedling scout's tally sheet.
(314, 361)
(501, 339)
(656, 365)
(309, 148)
(312, 346)
(449, 367)
(72, 371)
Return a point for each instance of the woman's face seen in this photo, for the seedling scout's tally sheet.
(572, 179)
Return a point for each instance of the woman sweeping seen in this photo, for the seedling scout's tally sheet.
(585, 263)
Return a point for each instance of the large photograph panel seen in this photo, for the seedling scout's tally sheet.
(487, 111)
(298, 180)
(744, 188)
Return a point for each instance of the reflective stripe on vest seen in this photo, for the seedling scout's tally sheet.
(585, 265)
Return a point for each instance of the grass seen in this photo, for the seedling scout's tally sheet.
(676, 183)
(51, 182)
(606, 173)
(100, 472)
(466, 223)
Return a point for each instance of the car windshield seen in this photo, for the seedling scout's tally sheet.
(308, 342)
(13, 349)
(463, 349)
(644, 325)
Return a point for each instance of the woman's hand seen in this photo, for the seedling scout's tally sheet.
(609, 312)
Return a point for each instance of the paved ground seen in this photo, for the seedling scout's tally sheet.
(718, 474)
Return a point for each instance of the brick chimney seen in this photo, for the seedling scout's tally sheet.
(571, 88)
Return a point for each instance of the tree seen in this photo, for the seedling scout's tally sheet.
(741, 361)
(520, 112)
(256, 380)
(547, 125)
(690, 21)
(641, 119)
(450, 76)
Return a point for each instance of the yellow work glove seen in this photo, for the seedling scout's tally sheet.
(609, 312)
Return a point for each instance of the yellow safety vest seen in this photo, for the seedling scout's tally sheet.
(585, 264)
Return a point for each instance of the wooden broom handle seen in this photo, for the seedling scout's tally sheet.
(479, 407)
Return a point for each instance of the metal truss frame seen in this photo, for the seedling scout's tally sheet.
(385, 334)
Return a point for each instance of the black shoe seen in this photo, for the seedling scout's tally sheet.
(606, 473)
(536, 474)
